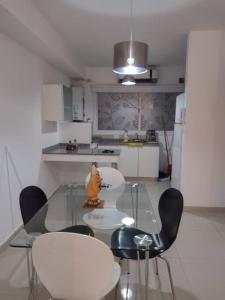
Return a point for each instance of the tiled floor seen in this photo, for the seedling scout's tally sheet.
(197, 261)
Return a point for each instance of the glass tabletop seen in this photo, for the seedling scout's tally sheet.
(128, 205)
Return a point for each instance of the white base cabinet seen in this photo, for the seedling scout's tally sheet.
(148, 165)
(137, 161)
(128, 162)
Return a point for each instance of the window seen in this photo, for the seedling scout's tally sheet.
(136, 111)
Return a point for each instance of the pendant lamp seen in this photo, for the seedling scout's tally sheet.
(130, 57)
(128, 80)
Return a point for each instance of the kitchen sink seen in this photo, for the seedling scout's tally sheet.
(135, 143)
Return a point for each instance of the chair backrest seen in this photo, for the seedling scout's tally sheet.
(73, 266)
(32, 198)
(170, 211)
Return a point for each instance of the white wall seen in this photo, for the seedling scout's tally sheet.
(21, 129)
(167, 74)
(203, 179)
(23, 21)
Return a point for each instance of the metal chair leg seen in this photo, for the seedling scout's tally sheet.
(28, 266)
(117, 290)
(128, 267)
(32, 286)
(170, 275)
(156, 266)
(147, 254)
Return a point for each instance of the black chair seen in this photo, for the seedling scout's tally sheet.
(170, 211)
(32, 199)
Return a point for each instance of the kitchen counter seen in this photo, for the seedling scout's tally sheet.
(58, 153)
(119, 142)
(82, 149)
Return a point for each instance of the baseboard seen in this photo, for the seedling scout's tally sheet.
(6, 242)
(203, 209)
(140, 178)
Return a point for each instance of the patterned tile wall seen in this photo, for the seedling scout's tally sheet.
(117, 111)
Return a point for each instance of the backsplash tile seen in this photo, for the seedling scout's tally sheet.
(155, 107)
(117, 111)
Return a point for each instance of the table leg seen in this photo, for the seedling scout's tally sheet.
(114, 165)
(28, 266)
(143, 242)
(132, 204)
(136, 205)
(146, 272)
(139, 272)
(71, 202)
(136, 186)
(156, 266)
(32, 281)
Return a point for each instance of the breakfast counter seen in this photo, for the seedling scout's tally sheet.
(134, 159)
(83, 153)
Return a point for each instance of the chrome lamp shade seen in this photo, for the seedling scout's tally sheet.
(128, 80)
(130, 58)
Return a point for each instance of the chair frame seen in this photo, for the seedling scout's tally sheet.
(160, 256)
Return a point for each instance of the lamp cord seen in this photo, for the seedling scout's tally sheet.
(131, 19)
(131, 31)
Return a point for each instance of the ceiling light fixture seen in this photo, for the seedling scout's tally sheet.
(128, 80)
(130, 57)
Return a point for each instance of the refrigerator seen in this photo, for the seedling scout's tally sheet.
(178, 140)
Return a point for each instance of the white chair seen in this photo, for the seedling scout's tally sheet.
(113, 187)
(111, 178)
(74, 267)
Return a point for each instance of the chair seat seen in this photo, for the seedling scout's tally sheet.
(123, 238)
(82, 229)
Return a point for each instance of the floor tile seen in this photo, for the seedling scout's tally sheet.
(196, 221)
(206, 278)
(198, 244)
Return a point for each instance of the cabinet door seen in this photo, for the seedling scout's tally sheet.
(128, 163)
(148, 162)
(78, 103)
(108, 148)
(67, 98)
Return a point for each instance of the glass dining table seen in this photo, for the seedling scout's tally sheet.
(127, 205)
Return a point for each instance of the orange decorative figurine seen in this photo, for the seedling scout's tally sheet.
(93, 189)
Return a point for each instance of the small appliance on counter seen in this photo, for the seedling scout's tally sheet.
(151, 135)
(107, 151)
(71, 146)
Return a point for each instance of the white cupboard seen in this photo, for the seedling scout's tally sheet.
(128, 163)
(148, 162)
(57, 102)
(78, 103)
(137, 161)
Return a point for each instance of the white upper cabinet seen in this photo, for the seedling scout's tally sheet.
(57, 102)
(78, 103)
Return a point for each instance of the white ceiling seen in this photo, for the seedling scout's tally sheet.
(92, 27)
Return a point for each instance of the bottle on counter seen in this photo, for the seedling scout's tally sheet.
(75, 144)
(71, 146)
(125, 136)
